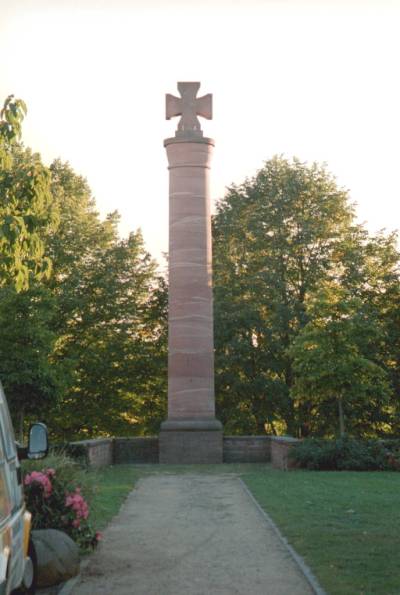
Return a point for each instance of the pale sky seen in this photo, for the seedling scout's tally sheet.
(316, 79)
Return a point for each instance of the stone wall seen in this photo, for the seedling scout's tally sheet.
(95, 453)
(136, 450)
(280, 448)
(145, 450)
(247, 449)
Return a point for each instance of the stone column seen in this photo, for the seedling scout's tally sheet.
(191, 434)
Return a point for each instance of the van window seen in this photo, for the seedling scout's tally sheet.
(2, 444)
(6, 427)
(5, 502)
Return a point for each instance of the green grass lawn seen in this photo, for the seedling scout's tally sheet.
(111, 487)
(345, 525)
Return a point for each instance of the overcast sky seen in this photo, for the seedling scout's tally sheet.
(315, 79)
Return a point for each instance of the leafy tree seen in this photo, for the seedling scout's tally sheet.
(111, 334)
(369, 269)
(27, 210)
(332, 367)
(27, 214)
(284, 241)
(109, 342)
(91, 339)
(391, 356)
(26, 345)
(92, 336)
(275, 240)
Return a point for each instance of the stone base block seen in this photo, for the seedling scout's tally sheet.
(184, 443)
(280, 448)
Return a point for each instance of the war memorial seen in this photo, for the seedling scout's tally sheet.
(191, 434)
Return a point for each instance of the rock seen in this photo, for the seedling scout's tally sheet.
(57, 556)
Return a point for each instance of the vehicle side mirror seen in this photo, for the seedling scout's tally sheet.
(38, 444)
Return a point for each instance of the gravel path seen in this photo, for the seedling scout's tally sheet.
(191, 535)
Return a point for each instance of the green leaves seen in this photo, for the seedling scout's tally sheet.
(26, 344)
(11, 117)
(300, 299)
(111, 320)
(273, 241)
(27, 209)
(85, 348)
(331, 355)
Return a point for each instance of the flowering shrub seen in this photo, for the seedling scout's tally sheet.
(43, 479)
(57, 504)
(79, 507)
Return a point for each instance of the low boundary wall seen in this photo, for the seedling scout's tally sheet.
(246, 449)
(136, 450)
(95, 453)
(145, 450)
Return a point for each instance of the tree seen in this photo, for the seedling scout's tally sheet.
(280, 239)
(27, 214)
(368, 268)
(275, 239)
(90, 340)
(109, 342)
(110, 319)
(29, 377)
(27, 210)
(332, 364)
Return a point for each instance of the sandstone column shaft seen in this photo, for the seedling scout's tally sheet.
(191, 346)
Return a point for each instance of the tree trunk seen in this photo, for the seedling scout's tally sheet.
(291, 419)
(341, 417)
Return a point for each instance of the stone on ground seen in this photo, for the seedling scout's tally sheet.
(57, 556)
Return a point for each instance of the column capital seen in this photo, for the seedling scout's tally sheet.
(173, 140)
(193, 153)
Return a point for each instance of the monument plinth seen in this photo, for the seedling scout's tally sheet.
(191, 434)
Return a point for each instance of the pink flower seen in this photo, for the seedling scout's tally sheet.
(78, 504)
(41, 479)
(98, 536)
(76, 523)
(50, 472)
(69, 500)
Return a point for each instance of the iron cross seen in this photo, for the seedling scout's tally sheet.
(189, 107)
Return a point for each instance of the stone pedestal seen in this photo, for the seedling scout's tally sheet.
(184, 442)
(191, 434)
(280, 449)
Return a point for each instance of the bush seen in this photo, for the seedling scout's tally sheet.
(58, 497)
(347, 454)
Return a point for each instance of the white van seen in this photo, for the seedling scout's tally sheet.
(17, 557)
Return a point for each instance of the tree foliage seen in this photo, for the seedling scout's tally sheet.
(27, 210)
(334, 365)
(85, 347)
(110, 320)
(26, 346)
(279, 239)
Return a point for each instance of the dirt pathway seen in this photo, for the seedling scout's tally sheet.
(191, 535)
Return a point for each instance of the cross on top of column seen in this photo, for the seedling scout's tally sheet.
(189, 107)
